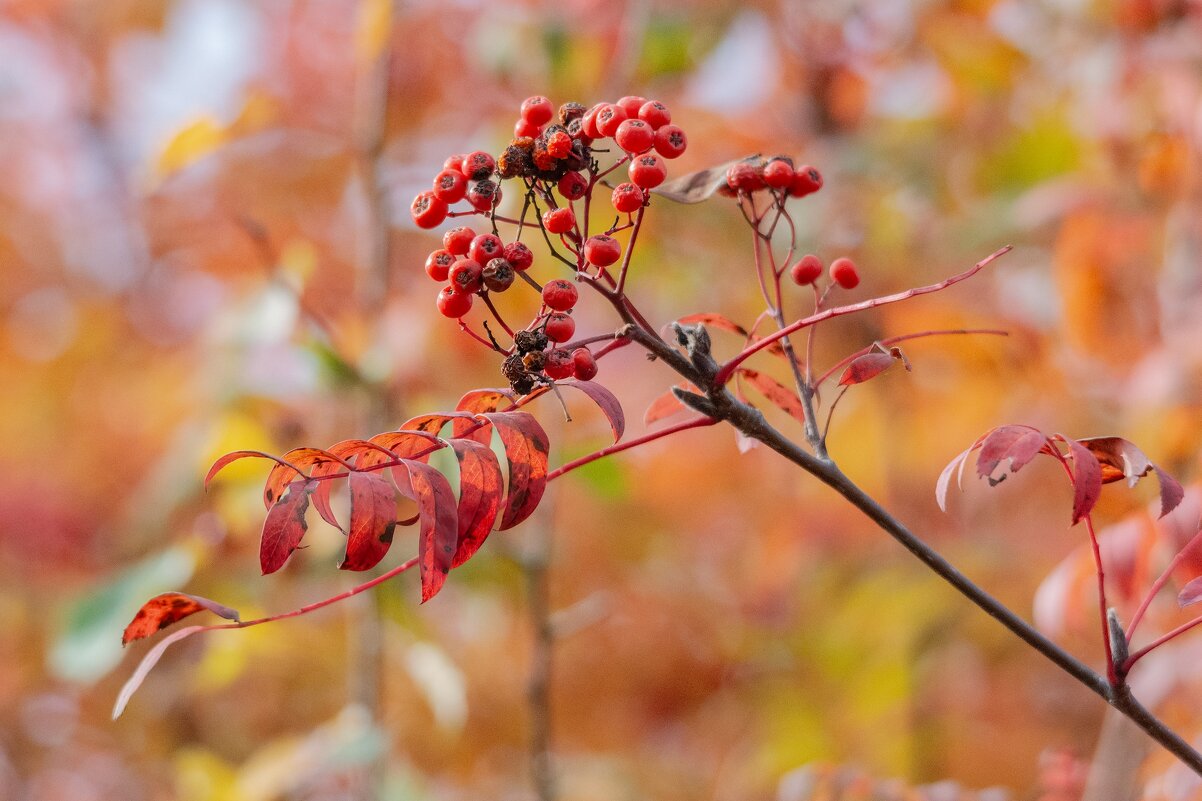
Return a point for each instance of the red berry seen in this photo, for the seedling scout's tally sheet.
(466, 275)
(558, 364)
(583, 364)
(454, 163)
(485, 248)
(438, 264)
(670, 141)
(609, 118)
(537, 110)
(648, 170)
(806, 180)
(453, 304)
(560, 295)
(627, 198)
(844, 273)
(589, 122)
(631, 104)
(778, 174)
(635, 136)
(602, 250)
(518, 255)
(559, 145)
(450, 186)
(573, 186)
(806, 270)
(745, 177)
(427, 210)
(524, 127)
(484, 195)
(655, 114)
(559, 221)
(478, 165)
(458, 240)
(560, 327)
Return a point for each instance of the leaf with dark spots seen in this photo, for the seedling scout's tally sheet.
(1016, 444)
(526, 446)
(429, 423)
(1191, 593)
(479, 401)
(663, 407)
(698, 186)
(373, 517)
(1120, 458)
(870, 365)
(416, 445)
(297, 458)
(606, 401)
(777, 393)
(285, 526)
(1087, 477)
(162, 610)
(480, 489)
(439, 523)
(147, 664)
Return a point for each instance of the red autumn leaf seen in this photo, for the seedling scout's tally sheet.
(373, 518)
(1087, 477)
(1120, 458)
(605, 400)
(430, 423)
(870, 365)
(347, 449)
(714, 320)
(698, 186)
(285, 526)
(480, 490)
(1016, 444)
(439, 524)
(234, 456)
(479, 401)
(286, 472)
(780, 396)
(526, 447)
(416, 445)
(1191, 593)
(148, 662)
(162, 610)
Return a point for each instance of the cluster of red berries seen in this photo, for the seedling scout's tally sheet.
(777, 174)
(473, 264)
(467, 178)
(808, 269)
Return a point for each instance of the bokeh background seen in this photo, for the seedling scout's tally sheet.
(205, 246)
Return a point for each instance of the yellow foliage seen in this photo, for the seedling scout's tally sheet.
(194, 141)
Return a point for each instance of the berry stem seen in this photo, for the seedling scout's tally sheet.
(726, 369)
(465, 328)
(1111, 669)
(620, 289)
(1159, 641)
(697, 422)
(496, 314)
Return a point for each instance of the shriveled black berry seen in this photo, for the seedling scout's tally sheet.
(527, 341)
(523, 385)
(570, 111)
(512, 368)
(516, 161)
(534, 361)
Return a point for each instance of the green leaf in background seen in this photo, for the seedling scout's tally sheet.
(89, 644)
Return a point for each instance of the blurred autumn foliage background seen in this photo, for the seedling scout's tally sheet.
(205, 245)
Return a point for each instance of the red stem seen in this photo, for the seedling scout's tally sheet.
(1160, 582)
(697, 422)
(1159, 641)
(902, 338)
(1111, 673)
(728, 368)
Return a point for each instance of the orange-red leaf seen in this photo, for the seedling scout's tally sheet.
(526, 446)
(235, 456)
(285, 526)
(863, 368)
(1016, 443)
(162, 610)
(663, 407)
(1087, 478)
(480, 490)
(439, 523)
(1120, 458)
(373, 518)
(714, 320)
(606, 401)
(286, 471)
(479, 401)
(780, 396)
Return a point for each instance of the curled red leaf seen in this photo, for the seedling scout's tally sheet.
(1015, 444)
(526, 447)
(780, 395)
(480, 489)
(285, 526)
(663, 407)
(1087, 477)
(291, 467)
(162, 610)
(870, 365)
(479, 401)
(714, 320)
(439, 523)
(1121, 458)
(606, 401)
